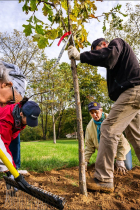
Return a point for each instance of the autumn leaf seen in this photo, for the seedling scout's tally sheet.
(27, 29)
(39, 29)
(64, 4)
(36, 20)
(33, 4)
(92, 16)
(47, 10)
(43, 42)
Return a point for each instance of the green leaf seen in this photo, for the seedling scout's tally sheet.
(39, 29)
(33, 5)
(43, 42)
(36, 20)
(27, 29)
(119, 6)
(47, 10)
(30, 19)
(124, 15)
(50, 18)
(104, 28)
(36, 37)
(26, 8)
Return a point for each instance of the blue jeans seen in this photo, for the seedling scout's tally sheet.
(128, 161)
(15, 150)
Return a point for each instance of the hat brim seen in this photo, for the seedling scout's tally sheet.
(93, 108)
(32, 122)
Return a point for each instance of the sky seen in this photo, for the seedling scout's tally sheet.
(12, 17)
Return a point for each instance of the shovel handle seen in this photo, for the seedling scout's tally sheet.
(8, 164)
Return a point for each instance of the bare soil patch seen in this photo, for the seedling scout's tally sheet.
(65, 184)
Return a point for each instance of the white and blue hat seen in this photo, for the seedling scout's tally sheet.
(17, 78)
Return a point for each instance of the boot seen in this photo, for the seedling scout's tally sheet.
(95, 184)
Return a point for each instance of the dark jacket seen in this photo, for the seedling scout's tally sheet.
(123, 69)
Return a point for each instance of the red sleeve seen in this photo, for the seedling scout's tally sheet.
(6, 126)
(15, 134)
(6, 133)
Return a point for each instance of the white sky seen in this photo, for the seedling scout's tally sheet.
(12, 17)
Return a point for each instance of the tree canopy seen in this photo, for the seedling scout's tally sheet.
(129, 30)
(56, 13)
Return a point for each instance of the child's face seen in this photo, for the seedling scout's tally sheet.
(23, 119)
(96, 114)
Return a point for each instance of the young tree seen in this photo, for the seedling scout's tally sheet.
(60, 23)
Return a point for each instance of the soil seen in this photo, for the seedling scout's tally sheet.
(65, 183)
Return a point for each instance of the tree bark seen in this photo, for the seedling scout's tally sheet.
(54, 133)
(42, 122)
(59, 125)
(46, 121)
(82, 174)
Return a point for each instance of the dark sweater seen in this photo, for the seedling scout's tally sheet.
(123, 69)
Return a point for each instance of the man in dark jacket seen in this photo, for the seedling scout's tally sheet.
(123, 81)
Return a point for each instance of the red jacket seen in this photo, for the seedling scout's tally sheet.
(8, 131)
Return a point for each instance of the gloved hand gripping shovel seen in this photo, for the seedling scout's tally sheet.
(22, 186)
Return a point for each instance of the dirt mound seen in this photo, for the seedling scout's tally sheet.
(65, 184)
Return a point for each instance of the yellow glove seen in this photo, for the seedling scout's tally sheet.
(73, 53)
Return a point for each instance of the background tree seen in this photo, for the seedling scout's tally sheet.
(129, 30)
(52, 88)
(18, 49)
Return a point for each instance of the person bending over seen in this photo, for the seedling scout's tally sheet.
(13, 119)
(123, 82)
(12, 89)
(92, 139)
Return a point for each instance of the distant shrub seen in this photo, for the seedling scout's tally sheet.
(31, 134)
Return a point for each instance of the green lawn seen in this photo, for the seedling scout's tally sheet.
(45, 156)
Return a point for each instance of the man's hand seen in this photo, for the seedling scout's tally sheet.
(73, 53)
(121, 169)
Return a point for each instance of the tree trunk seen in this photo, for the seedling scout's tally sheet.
(43, 124)
(42, 121)
(82, 174)
(54, 133)
(46, 122)
(59, 125)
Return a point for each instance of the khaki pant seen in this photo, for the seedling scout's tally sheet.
(124, 116)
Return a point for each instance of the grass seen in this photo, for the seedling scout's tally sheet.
(135, 161)
(45, 156)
